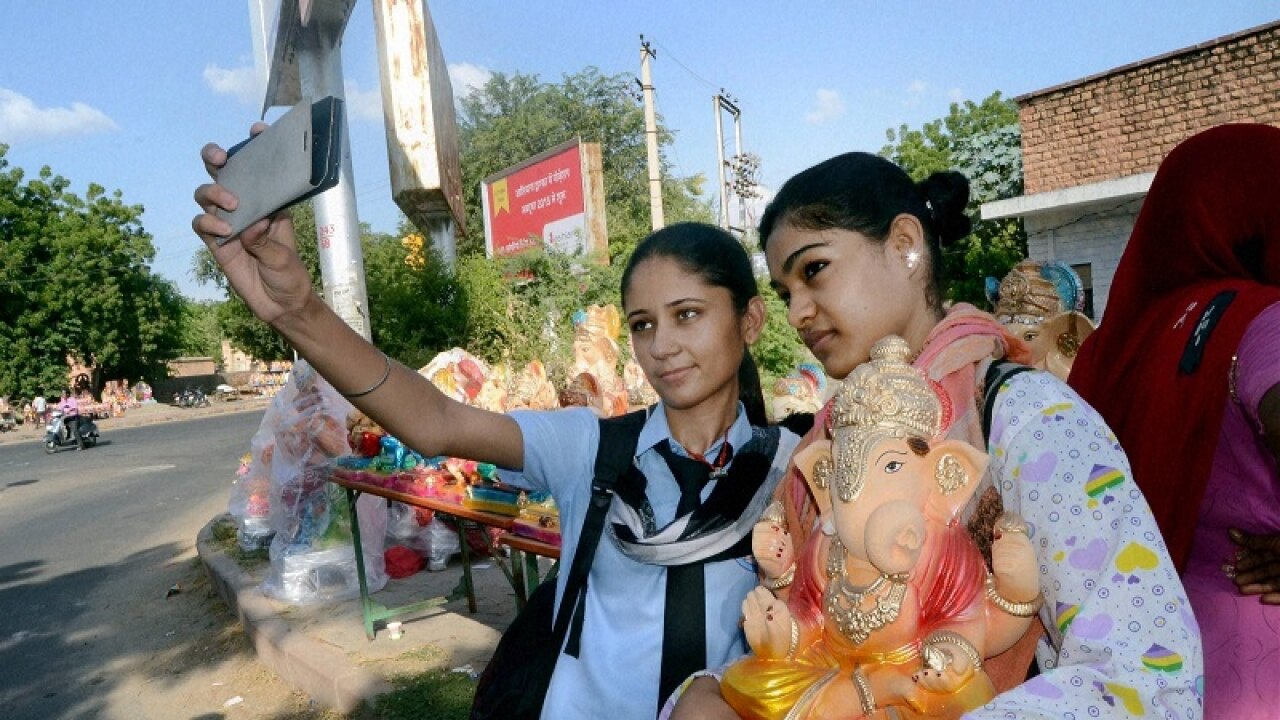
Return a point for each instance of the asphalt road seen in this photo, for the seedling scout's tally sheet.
(90, 542)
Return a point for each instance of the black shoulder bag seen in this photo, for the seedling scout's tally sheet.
(514, 684)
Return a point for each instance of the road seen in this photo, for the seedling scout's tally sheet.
(90, 544)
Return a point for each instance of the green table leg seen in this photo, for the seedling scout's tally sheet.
(366, 608)
(466, 565)
(372, 611)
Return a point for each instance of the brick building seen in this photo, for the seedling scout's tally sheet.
(1090, 147)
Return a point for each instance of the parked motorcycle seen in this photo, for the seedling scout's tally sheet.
(57, 433)
(191, 398)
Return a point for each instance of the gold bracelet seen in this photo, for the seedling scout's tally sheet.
(865, 697)
(782, 580)
(386, 373)
(795, 639)
(928, 651)
(1016, 609)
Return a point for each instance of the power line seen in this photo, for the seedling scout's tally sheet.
(708, 83)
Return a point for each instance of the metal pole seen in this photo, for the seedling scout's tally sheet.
(651, 136)
(724, 195)
(737, 147)
(337, 224)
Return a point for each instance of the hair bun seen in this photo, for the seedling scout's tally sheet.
(947, 194)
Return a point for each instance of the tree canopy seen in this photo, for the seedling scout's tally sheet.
(76, 282)
(983, 141)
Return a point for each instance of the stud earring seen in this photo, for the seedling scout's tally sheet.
(913, 259)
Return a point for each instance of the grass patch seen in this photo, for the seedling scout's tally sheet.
(224, 532)
(436, 694)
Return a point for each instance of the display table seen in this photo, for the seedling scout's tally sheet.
(523, 576)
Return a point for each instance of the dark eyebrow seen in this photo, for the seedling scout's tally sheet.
(888, 452)
(682, 301)
(673, 303)
(791, 259)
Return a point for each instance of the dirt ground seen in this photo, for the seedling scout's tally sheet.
(209, 670)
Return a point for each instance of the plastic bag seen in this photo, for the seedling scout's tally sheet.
(410, 527)
(325, 571)
(311, 553)
(444, 544)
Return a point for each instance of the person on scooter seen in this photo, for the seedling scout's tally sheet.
(70, 409)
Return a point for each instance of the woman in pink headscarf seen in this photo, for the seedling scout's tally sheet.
(1186, 370)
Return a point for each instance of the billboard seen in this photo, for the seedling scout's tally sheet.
(553, 201)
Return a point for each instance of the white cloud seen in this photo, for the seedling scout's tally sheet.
(955, 94)
(241, 82)
(467, 78)
(917, 86)
(827, 107)
(21, 118)
(363, 104)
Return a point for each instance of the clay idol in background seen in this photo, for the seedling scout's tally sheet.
(1042, 304)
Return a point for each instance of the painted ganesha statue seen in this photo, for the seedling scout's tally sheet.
(890, 610)
(1042, 304)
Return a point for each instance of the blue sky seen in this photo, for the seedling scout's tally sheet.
(124, 94)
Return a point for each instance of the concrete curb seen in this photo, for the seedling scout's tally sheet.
(329, 677)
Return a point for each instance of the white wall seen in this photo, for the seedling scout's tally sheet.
(1095, 235)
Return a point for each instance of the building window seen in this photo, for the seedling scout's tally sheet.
(1085, 271)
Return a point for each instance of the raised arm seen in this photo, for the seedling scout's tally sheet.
(264, 269)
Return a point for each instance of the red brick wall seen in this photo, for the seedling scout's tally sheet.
(1125, 121)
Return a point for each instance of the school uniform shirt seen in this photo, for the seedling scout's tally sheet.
(616, 673)
(1122, 641)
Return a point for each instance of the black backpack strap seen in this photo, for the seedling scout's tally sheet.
(617, 448)
(998, 373)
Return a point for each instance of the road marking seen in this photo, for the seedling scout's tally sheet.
(152, 468)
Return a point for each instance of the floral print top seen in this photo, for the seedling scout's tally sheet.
(1122, 641)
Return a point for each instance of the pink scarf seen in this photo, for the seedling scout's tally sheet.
(951, 355)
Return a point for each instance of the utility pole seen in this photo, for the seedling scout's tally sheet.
(651, 135)
(722, 103)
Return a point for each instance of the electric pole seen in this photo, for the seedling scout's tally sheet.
(722, 103)
(651, 135)
(744, 166)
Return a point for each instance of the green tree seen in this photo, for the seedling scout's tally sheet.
(416, 307)
(76, 282)
(201, 336)
(983, 141)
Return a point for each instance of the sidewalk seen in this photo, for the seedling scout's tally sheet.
(148, 414)
(322, 650)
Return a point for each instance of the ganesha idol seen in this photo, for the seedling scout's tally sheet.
(1041, 303)
(889, 610)
(594, 370)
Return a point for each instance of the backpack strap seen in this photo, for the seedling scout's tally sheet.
(998, 373)
(617, 448)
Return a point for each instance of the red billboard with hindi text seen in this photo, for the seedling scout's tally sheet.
(541, 203)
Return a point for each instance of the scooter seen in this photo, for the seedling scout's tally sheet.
(57, 435)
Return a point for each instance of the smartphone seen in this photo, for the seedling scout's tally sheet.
(295, 158)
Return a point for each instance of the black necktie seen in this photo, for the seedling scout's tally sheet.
(684, 631)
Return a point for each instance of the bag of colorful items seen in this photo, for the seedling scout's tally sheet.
(312, 557)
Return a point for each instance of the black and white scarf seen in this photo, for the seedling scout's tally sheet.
(720, 521)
